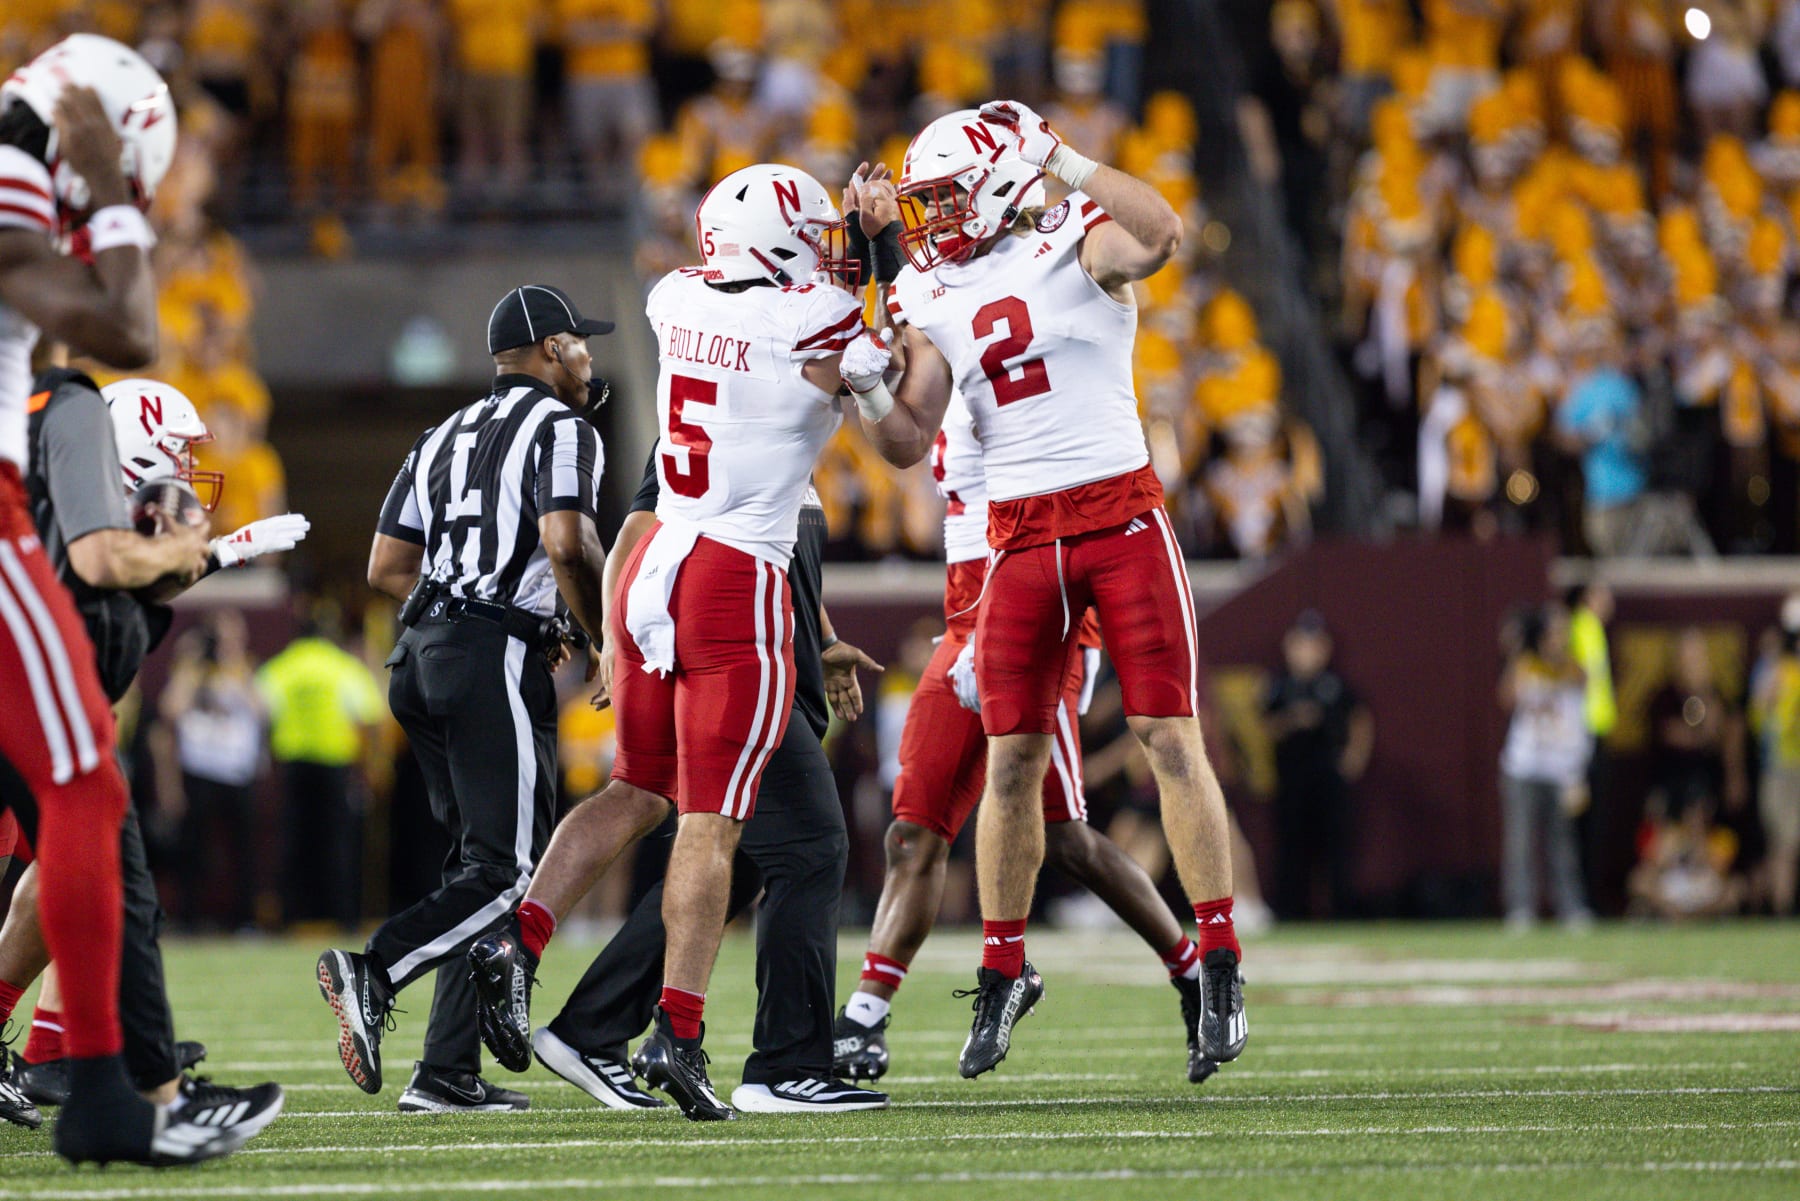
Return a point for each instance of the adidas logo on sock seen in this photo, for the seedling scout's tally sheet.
(999, 940)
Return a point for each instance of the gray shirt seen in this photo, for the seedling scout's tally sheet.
(81, 469)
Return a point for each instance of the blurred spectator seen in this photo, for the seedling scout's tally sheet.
(404, 95)
(1591, 607)
(1696, 735)
(1602, 421)
(255, 481)
(322, 106)
(494, 42)
(1776, 703)
(1543, 767)
(1725, 84)
(324, 705)
(723, 129)
(611, 101)
(1686, 867)
(1323, 736)
(212, 707)
(1369, 34)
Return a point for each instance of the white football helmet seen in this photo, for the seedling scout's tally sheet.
(772, 222)
(156, 429)
(131, 92)
(962, 183)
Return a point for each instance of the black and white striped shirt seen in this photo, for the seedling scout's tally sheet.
(472, 490)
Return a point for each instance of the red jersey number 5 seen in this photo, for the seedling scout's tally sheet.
(1031, 378)
(693, 482)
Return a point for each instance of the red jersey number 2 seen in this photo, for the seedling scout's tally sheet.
(693, 482)
(1031, 378)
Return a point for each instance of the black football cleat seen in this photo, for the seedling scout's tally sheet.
(678, 1067)
(363, 1003)
(154, 1135)
(44, 1084)
(434, 1090)
(218, 1106)
(859, 1052)
(15, 1106)
(999, 1004)
(188, 1054)
(1199, 1067)
(504, 973)
(1223, 1028)
(607, 1079)
(806, 1094)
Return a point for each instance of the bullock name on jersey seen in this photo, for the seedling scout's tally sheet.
(741, 426)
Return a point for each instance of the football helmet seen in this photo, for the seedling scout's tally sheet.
(131, 92)
(156, 429)
(962, 183)
(775, 223)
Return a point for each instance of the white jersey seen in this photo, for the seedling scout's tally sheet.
(25, 203)
(956, 468)
(1040, 353)
(741, 427)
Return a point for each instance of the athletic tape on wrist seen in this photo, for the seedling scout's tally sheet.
(876, 403)
(1073, 169)
(119, 225)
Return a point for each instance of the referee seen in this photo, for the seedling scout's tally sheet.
(490, 519)
(793, 853)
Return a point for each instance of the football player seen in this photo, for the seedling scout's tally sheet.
(943, 762)
(87, 130)
(701, 625)
(1028, 312)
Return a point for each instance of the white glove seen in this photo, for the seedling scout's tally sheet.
(1037, 141)
(962, 678)
(866, 361)
(1090, 674)
(270, 536)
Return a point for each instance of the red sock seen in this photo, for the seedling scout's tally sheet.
(1003, 947)
(536, 925)
(879, 969)
(1182, 959)
(45, 1042)
(1216, 929)
(9, 999)
(81, 901)
(684, 1009)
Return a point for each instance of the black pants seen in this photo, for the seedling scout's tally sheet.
(324, 845)
(144, 1017)
(480, 710)
(212, 805)
(793, 851)
(1313, 834)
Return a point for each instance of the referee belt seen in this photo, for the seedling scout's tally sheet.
(529, 628)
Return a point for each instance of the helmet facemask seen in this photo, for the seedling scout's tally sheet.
(171, 457)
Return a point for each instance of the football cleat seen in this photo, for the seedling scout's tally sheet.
(504, 973)
(433, 1090)
(999, 1004)
(607, 1080)
(44, 1084)
(173, 1137)
(15, 1106)
(216, 1106)
(806, 1094)
(364, 1006)
(188, 1054)
(678, 1067)
(859, 1052)
(1223, 1028)
(1199, 1067)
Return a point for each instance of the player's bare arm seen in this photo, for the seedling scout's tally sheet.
(125, 560)
(394, 565)
(572, 545)
(840, 661)
(1144, 232)
(904, 432)
(107, 310)
(632, 532)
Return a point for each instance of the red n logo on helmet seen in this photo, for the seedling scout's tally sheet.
(981, 137)
(149, 407)
(787, 195)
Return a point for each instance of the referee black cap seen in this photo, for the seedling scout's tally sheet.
(533, 312)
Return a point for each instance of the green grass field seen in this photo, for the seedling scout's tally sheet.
(1384, 1062)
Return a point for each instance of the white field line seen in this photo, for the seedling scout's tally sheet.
(997, 1136)
(886, 1181)
(1192, 1098)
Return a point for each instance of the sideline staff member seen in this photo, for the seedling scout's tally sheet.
(490, 518)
